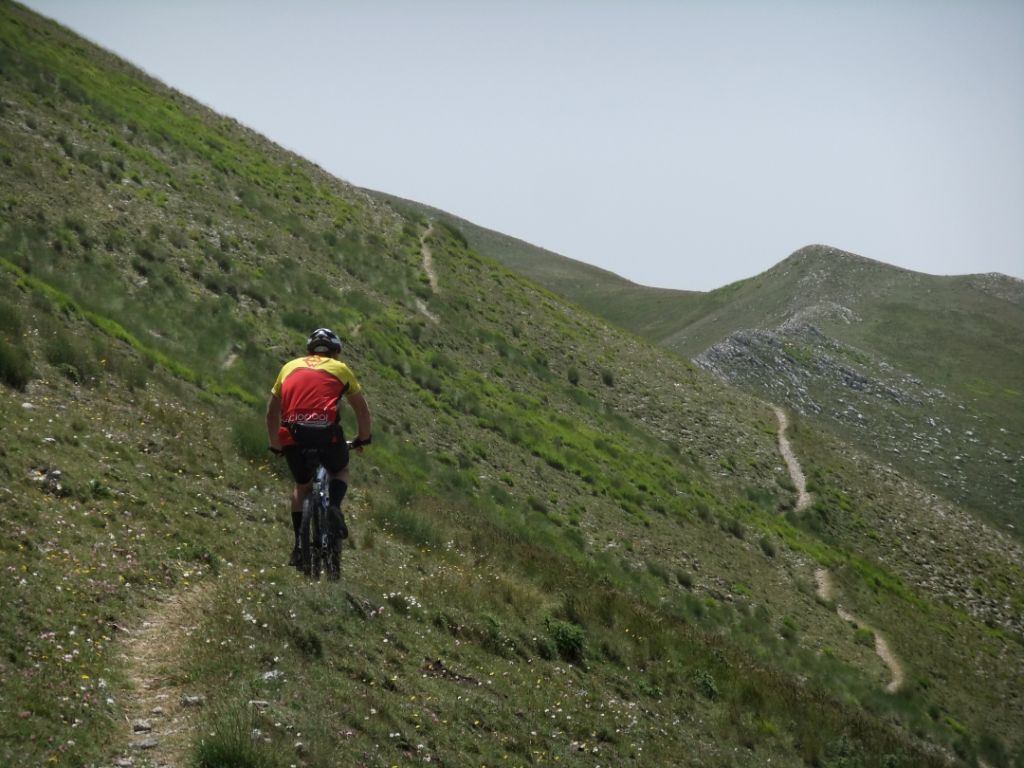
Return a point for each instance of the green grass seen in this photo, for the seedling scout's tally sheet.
(539, 568)
(970, 382)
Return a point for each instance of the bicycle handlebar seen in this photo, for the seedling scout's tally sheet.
(357, 443)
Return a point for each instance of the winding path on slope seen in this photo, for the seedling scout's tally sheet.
(428, 268)
(826, 587)
(158, 706)
(803, 498)
(428, 258)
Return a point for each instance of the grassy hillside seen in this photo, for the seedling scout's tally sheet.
(650, 312)
(925, 372)
(568, 546)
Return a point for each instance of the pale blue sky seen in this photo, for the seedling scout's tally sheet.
(680, 144)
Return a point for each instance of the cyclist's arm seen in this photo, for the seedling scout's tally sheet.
(362, 411)
(274, 421)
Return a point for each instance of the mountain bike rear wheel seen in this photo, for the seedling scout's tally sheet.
(311, 538)
(319, 535)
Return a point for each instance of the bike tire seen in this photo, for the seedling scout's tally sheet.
(332, 551)
(318, 534)
(319, 549)
(305, 548)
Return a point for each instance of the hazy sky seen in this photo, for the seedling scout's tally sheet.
(683, 144)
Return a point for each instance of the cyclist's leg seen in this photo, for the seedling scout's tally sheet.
(299, 494)
(335, 461)
(303, 476)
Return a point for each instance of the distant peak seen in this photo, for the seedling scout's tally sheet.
(818, 251)
(831, 258)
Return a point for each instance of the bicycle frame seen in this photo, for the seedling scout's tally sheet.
(315, 545)
(316, 549)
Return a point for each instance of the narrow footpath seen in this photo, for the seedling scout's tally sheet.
(158, 706)
(428, 258)
(428, 267)
(803, 498)
(826, 587)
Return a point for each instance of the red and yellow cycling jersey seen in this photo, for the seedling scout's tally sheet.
(310, 388)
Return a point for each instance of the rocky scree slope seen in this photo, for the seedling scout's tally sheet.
(924, 372)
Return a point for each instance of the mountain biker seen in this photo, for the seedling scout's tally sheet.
(304, 411)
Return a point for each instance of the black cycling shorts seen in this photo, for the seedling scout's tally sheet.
(302, 461)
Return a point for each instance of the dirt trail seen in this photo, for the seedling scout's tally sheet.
(428, 258)
(826, 587)
(428, 267)
(157, 706)
(803, 498)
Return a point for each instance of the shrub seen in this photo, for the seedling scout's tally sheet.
(99, 490)
(768, 546)
(705, 683)
(546, 647)
(537, 505)
(735, 527)
(307, 642)
(71, 358)
(864, 636)
(659, 571)
(789, 629)
(15, 365)
(10, 321)
(568, 639)
(229, 743)
(134, 373)
(250, 437)
(574, 376)
(704, 512)
(492, 637)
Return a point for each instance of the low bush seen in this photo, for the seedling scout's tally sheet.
(15, 365)
(864, 636)
(568, 639)
(250, 437)
(10, 321)
(705, 684)
(71, 357)
(233, 740)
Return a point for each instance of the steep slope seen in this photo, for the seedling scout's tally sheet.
(650, 312)
(926, 372)
(567, 544)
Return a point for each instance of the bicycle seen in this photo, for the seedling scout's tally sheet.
(319, 549)
(319, 546)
